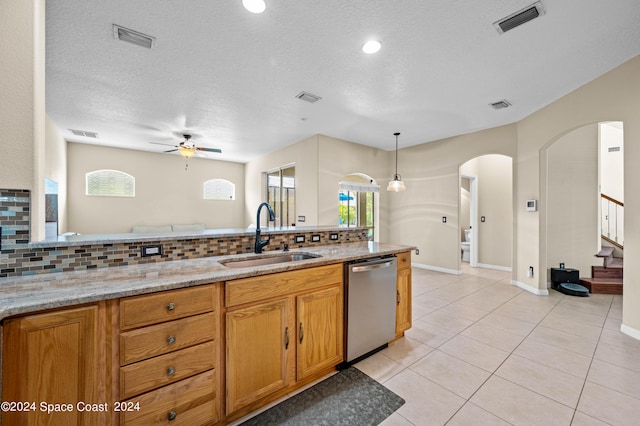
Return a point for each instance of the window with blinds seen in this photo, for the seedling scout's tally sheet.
(219, 189)
(110, 183)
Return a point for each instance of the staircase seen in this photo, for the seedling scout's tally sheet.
(606, 279)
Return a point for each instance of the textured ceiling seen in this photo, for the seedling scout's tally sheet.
(230, 77)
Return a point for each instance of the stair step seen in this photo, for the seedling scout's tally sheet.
(603, 285)
(602, 272)
(605, 252)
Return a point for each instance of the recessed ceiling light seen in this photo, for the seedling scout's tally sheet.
(254, 6)
(372, 46)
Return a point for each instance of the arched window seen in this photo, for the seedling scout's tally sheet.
(219, 189)
(110, 183)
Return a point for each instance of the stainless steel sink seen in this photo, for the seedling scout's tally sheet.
(267, 260)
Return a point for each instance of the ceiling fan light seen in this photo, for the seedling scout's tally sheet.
(186, 151)
(254, 6)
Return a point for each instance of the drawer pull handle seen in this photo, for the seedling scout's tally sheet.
(397, 297)
(172, 415)
(171, 306)
(171, 340)
(286, 338)
(301, 333)
(171, 371)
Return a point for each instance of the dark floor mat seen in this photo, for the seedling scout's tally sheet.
(347, 398)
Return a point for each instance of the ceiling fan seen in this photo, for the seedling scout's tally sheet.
(187, 148)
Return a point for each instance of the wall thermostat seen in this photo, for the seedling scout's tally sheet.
(532, 205)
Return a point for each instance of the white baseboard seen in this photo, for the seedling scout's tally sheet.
(630, 331)
(530, 289)
(496, 267)
(436, 268)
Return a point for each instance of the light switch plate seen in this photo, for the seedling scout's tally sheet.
(333, 237)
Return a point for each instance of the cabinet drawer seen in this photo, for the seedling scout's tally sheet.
(254, 289)
(187, 402)
(404, 260)
(138, 311)
(142, 343)
(165, 369)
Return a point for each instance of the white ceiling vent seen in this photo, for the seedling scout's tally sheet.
(84, 133)
(520, 17)
(308, 97)
(133, 37)
(500, 104)
(614, 149)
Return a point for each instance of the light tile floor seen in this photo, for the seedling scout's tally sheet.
(484, 352)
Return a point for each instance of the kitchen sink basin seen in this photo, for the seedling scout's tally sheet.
(267, 260)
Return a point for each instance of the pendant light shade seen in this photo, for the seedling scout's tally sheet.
(396, 185)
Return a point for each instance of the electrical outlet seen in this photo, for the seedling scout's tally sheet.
(333, 237)
(151, 250)
(299, 238)
(315, 238)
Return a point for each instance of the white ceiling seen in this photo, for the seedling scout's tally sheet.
(230, 77)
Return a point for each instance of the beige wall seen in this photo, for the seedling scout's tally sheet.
(495, 202)
(166, 193)
(304, 155)
(572, 201)
(321, 162)
(22, 103)
(615, 96)
(55, 168)
(431, 172)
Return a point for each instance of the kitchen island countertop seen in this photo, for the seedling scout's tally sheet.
(21, 295)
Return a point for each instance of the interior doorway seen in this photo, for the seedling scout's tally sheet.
(468, 218)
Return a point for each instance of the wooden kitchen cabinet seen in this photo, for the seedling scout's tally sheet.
(169, 357)
(403, 294)
(319, 331)
(282, 330)
(258, 341)
(55, 358)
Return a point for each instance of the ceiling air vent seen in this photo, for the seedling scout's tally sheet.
(500, 104)
(133, 37)
(520, 17)
(308, 97)
(84, 133)
(614, 149)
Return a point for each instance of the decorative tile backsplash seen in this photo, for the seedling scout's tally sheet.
(17, 258)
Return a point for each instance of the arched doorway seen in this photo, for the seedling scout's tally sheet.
(358, 202)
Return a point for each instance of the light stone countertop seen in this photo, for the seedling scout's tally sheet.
(128, 237)
(21, 295)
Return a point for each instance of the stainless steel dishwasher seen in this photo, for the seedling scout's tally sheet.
(370, 297)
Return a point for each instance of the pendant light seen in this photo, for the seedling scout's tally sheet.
(396, 185)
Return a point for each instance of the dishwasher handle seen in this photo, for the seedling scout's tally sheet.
(366, 268)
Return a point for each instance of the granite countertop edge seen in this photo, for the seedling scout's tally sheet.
(128, 238)
(23, 295)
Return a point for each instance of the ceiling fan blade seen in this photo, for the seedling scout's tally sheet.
(210, 150)
(172, 150)
(160, 143)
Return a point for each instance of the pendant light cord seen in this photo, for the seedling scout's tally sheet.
(396, 135)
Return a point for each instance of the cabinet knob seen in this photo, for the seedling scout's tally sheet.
(171, 371)
(171, 340)
(171, 306)
(171, 415)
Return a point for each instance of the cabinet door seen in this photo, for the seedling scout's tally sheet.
(258, 343)
(403, 301)
(53, 358)
(319, 328)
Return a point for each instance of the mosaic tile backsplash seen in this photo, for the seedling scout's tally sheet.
(18, 259)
